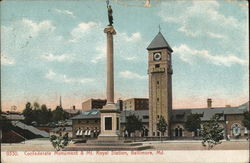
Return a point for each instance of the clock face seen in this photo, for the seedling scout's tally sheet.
(157, 56)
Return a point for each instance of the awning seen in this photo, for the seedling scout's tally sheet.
(78, 133)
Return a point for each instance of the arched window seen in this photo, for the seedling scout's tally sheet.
(176, 131)
(235, 129)
(180, 131)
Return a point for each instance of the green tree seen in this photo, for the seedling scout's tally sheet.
(133, 123)
(246, 120)
(36, 106)
(212, 133)
(59, 142)
(193, 123)
(162, 125)
(59, 114)
(37, 113)
(28, 113)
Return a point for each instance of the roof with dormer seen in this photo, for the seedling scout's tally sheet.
(159, 42)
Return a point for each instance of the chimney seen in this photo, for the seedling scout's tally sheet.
(209, 103)
(74, 107)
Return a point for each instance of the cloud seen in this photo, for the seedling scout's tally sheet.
(216, 35)
(199, 18)
(65, 79)
(188, 55)
(59, 58)
(134, 37)
(34, 28)
(131, 75)
(101, 50)
(81, 29)
(133, 58)
(66, 12)
(6, 60)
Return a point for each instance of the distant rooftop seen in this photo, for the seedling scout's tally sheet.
(178, 115)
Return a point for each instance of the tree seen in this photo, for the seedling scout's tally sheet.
(133, 123)
(193, 123)
(162, 125)
(28, 113)
(36, 106)
(58, 114)
(212, 133)
(246, 120)
(59, 142)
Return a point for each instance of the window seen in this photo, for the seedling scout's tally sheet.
(157, 65)
(158, 82)
(108, 123)
(158, 133)
(117, 123)
(178, 131)
(153, 133)
(157, 99)
(145, 117)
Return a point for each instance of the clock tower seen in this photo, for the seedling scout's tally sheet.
(160, 83)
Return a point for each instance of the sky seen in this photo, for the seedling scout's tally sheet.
(58, 48)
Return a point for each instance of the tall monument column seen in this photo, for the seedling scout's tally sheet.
(110, 115)
(110, 64)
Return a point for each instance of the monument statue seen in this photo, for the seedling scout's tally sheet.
(110, 16)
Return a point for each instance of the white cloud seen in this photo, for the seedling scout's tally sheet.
(133, 58)
(66, 12)
(6, 60)
(101, 50)
(216, 35)
(34, 28)
(188, 55)
(60, 58)
(81, 29)
(134, 36)
(131, 75)
(65, 79)
(199, 18)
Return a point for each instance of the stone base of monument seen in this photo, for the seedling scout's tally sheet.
(108, 138)
(105, 145)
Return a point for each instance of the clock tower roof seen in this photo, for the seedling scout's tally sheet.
(159, 42)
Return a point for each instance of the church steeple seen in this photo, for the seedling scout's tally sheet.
(159, 42)
(60, 102)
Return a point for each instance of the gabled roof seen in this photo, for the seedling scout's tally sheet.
(159, 42)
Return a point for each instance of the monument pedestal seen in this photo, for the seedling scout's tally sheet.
(110, 123)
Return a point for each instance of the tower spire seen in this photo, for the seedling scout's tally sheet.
(159, 28)
(60, 103)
